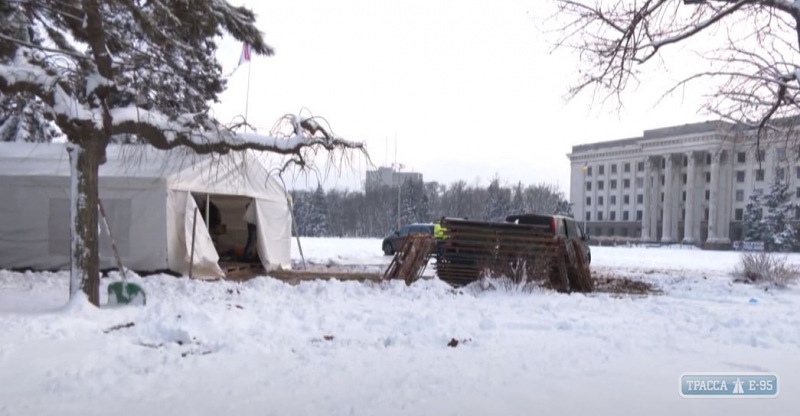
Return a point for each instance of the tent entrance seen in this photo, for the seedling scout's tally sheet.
(224, 215)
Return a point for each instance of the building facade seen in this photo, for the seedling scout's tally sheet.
(386, 176)
(686, 184)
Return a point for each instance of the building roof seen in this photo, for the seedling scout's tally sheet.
(672, 131)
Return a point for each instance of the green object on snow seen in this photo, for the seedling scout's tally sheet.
(126, 293)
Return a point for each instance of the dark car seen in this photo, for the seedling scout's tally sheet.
(559, 225)
(394, 240)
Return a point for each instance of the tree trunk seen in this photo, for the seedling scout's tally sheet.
(85, 157)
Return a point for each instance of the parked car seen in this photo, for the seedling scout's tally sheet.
(393, 241)
(559, 225)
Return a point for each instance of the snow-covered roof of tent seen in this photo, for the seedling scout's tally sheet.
(239, 173)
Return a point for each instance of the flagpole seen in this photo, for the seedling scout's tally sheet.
(247, 95)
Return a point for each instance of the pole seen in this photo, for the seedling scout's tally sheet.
(584, 200)
(400, 182)
(194, 232)
(247, 95)
(111, 237)
(208, 210)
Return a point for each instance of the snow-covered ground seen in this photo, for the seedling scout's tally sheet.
(260, 347)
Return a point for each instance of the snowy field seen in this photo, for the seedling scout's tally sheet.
(260, 347)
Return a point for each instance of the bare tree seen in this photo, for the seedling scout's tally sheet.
(752, 70)
(111, 68)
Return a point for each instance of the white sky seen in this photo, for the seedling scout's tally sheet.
(468, 88)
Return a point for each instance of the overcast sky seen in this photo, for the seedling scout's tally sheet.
(467, 87)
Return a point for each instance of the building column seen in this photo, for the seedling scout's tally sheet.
(688, 222)
(713, 237)
(647, 190)
(666, 221)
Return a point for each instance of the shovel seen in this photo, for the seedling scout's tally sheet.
(124, 292)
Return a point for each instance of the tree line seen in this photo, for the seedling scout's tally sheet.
(345, 213)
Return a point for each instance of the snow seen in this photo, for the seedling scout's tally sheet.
(260, 347)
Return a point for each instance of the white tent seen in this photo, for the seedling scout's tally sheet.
(145, 193)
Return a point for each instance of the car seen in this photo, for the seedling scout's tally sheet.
(393, 241)
(559, 224)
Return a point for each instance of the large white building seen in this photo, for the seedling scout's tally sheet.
(685, 183)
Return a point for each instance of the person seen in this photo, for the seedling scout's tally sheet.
(249, 218)
(439, 236)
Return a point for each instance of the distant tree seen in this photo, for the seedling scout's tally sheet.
(317, 221)
(518, 200)
(498, 204)
(563, 207)
(780, 235)
(753, 227)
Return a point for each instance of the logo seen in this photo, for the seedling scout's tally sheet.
(729, 386)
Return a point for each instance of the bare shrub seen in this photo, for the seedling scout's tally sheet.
(519, 271)
(765, 268)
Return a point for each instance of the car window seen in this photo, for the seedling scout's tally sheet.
(404, 230)
(573, 231)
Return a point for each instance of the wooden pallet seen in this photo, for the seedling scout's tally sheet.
(411, 260)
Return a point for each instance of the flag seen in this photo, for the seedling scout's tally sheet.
(245, 56)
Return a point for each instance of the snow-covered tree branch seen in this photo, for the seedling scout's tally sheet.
(135, 71)
(753, 75)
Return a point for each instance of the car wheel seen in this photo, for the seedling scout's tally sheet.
(387, 249)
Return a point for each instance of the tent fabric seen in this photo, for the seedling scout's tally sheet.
(145, 192)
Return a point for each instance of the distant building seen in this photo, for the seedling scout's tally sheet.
(685, 183)
(386, 176)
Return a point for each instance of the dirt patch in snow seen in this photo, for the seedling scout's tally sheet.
(606, 283)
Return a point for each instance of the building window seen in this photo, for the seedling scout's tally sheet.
(708, 194)
(662, 197)
(625, 215)
(613, 168)
(613, 184)
(640, 166)
(588, 186)
(640, 199)
(761, 155)
(797, 172)
(599, 215)
(589, 171)
(685, 161)
(797, 213)
(683, 214)
(708, 177)
(598, 231)
(612, 216)
(601, 170)
(685, 179)
(760, 175)
(708, 158)
(638, 215)
(623, 232)
(663, 163)
(613, 200)
(797, 193)
(741, 157)
(740, 176)
(781, 153)
(705, 214)
(588, 201)
(683, 197)
(599, 201)
(639, 182)
(626, 183)
(626, 199)
(780, 174)
(739, 214)
(626, 167)
(663, 180)
(740, 194)
(588, 216)
(600, 185)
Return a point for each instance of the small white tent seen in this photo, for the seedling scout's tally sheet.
(146, 195)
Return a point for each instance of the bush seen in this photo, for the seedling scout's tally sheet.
(765, 268)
